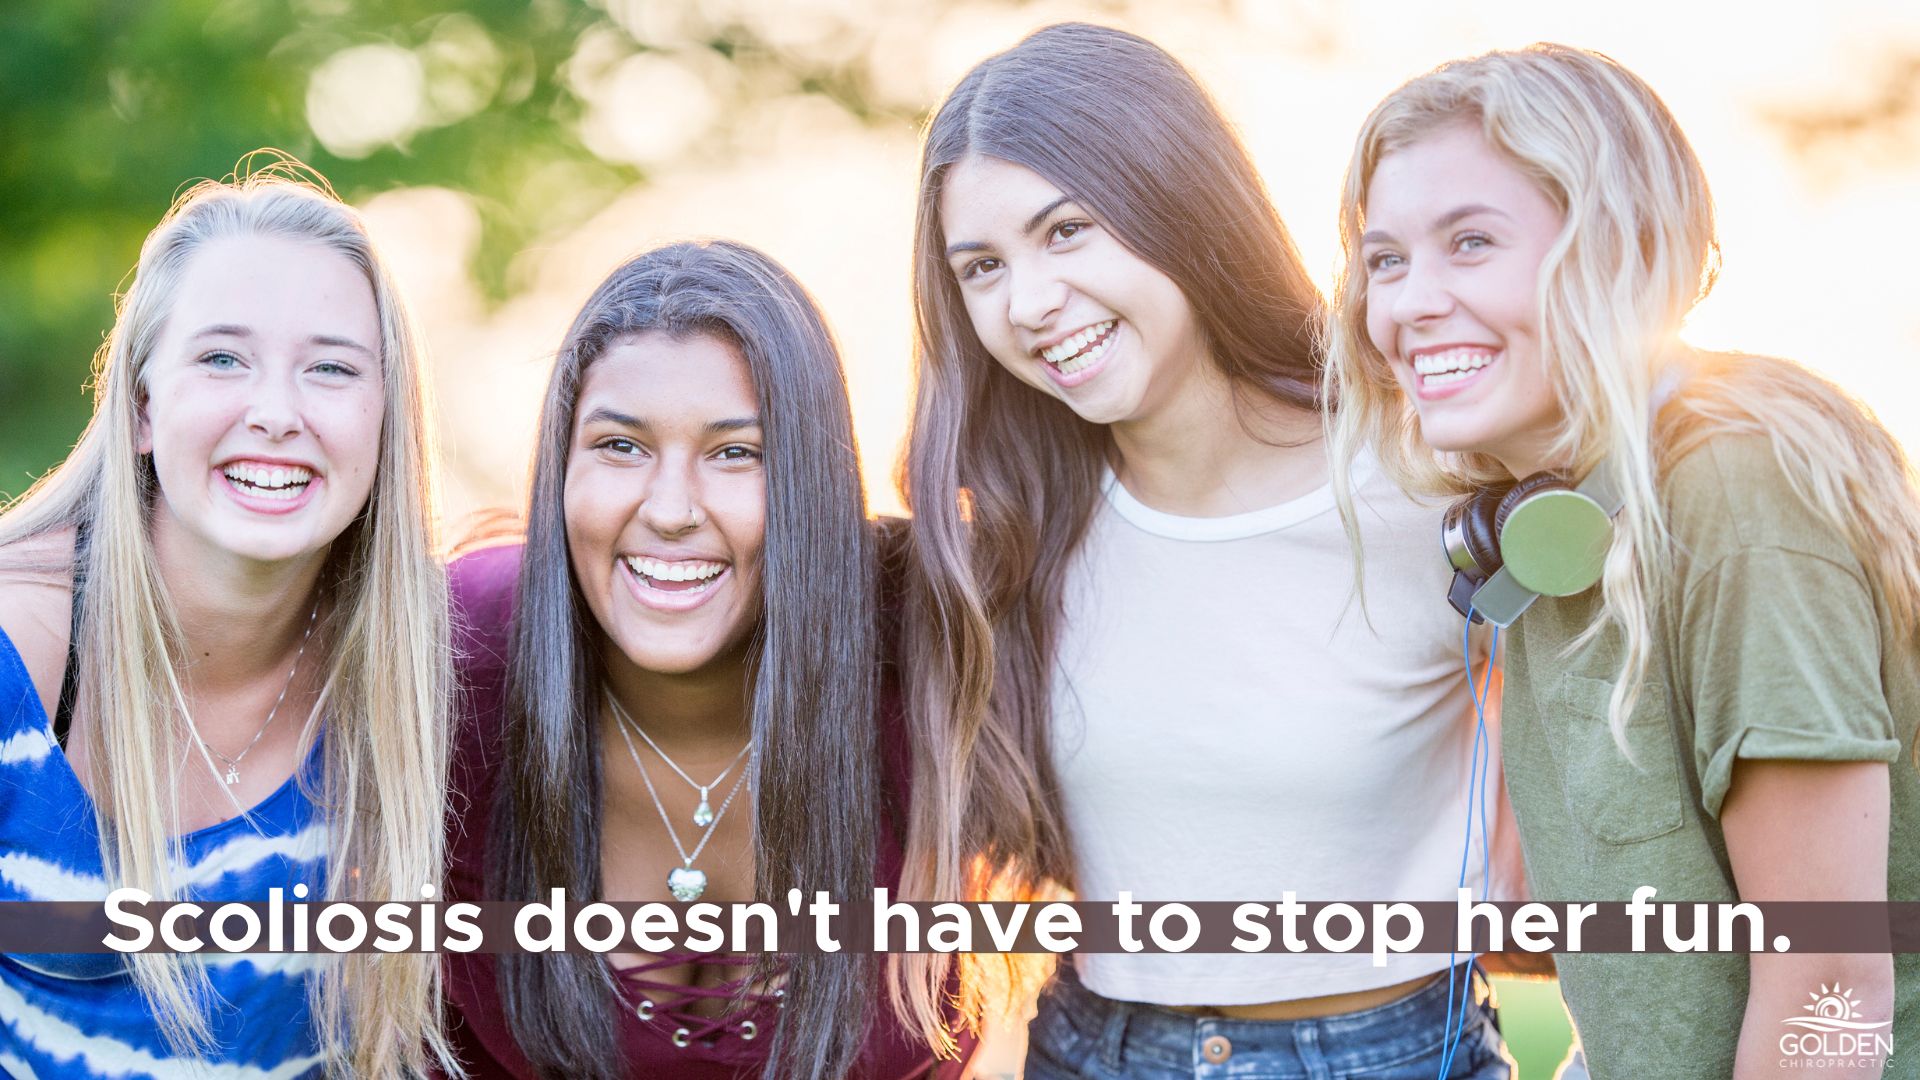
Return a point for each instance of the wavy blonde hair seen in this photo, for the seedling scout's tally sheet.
(385, 689)
(1635, 253)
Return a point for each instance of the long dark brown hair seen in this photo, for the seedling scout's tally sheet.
(813, 664)
(1002, 479)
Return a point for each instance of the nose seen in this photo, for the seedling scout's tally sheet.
(671, 506)
(1422, 296)
(1034, 296)
(273, 410)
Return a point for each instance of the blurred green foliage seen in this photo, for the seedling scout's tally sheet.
(109, 108)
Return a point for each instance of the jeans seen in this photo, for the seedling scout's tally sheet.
(1079, 1035)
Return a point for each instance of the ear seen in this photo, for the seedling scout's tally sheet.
(142, 428)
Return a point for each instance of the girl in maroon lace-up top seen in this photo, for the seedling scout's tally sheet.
(672, 690)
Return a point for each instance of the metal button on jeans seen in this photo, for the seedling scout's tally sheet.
(1217, 1049)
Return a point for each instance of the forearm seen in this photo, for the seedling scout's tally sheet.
(1782, 986)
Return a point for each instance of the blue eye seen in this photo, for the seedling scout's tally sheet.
(1381, 261)
(1470, 242)
(220, 361)
(335, 367)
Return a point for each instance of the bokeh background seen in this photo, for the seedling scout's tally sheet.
(510, 152)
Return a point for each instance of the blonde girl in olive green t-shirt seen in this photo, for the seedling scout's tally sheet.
(1730, 715)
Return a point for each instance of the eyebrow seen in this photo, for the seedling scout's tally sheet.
(603, 414)
(235, 330)
(1032, 224)
(1451, 217)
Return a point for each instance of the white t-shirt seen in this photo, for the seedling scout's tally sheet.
(1228, 726)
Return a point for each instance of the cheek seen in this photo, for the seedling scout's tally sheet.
(592, 518)
(180, 429)
(990, 326)
(1380, 324)
(354, 430)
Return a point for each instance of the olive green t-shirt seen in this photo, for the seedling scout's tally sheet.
(1778, 650)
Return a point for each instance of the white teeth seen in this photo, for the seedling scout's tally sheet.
(1453, 360)
(694, 570)
(1064, 353)
(269, 481)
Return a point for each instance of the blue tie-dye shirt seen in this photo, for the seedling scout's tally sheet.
(81, 1015)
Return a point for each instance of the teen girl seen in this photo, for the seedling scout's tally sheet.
(224, 639)
(1525, 232)
(673, 689)
(1135, 661)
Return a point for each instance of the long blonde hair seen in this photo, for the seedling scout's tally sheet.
(1636, 252)
(385, 689)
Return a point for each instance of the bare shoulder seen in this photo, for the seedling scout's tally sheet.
(36, 605)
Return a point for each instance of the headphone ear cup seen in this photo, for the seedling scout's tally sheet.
(1552, 537)
(1519, 492)
(1471, 520)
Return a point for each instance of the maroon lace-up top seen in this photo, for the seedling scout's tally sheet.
(660, 1035)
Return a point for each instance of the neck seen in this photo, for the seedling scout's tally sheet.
(702, 711)
(1210, 452)
(1524, 455)
(239, 619)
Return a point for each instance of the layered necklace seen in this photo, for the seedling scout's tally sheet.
(233, 763)
(683, 881)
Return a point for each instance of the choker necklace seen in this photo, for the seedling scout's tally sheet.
(683, 881)
(233, 763)
(702, 814)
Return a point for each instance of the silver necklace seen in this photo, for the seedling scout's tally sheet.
(233, 763)
(702, 814)
(683, 881)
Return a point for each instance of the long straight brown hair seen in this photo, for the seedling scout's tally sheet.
(813, 664)
(1003, 480)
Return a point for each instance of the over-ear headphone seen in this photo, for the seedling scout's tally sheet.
(1541, 536)
(1511, 544)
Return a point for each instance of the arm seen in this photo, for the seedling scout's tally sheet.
(1804, 830)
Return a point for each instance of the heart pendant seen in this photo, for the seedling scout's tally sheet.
(686, 883)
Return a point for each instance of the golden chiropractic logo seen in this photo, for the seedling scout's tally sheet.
(1834, 1036)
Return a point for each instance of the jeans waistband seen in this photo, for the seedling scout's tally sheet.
(1406, 1028)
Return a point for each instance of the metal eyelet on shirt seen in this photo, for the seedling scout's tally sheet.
(645, 1009)
(680, 1037)
(748, 1029)
(780, 997)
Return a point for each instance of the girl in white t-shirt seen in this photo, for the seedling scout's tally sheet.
(1136, 660)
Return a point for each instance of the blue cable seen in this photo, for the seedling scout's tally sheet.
(1476, 800)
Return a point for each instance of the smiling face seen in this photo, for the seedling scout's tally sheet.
(1455, 238)
(264, 400)
(1059, 301)
(666, 499)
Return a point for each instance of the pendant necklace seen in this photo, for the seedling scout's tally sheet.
(683, 881)
(702, 814)
(233, 763)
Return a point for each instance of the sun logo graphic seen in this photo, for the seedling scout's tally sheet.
(1834, 1030)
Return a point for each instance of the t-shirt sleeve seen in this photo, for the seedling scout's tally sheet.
(1781, 650)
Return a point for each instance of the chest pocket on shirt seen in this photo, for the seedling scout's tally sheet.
(1619, 801)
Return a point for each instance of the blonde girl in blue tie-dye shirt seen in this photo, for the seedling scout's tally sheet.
(232, 578)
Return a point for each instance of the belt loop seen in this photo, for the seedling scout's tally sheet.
(1113, 1037)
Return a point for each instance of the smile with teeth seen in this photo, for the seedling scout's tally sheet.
(691, 575)
(1082, 349)
(1451, 366)
(268, 481)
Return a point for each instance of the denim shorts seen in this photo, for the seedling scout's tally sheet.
(1079, 1035)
